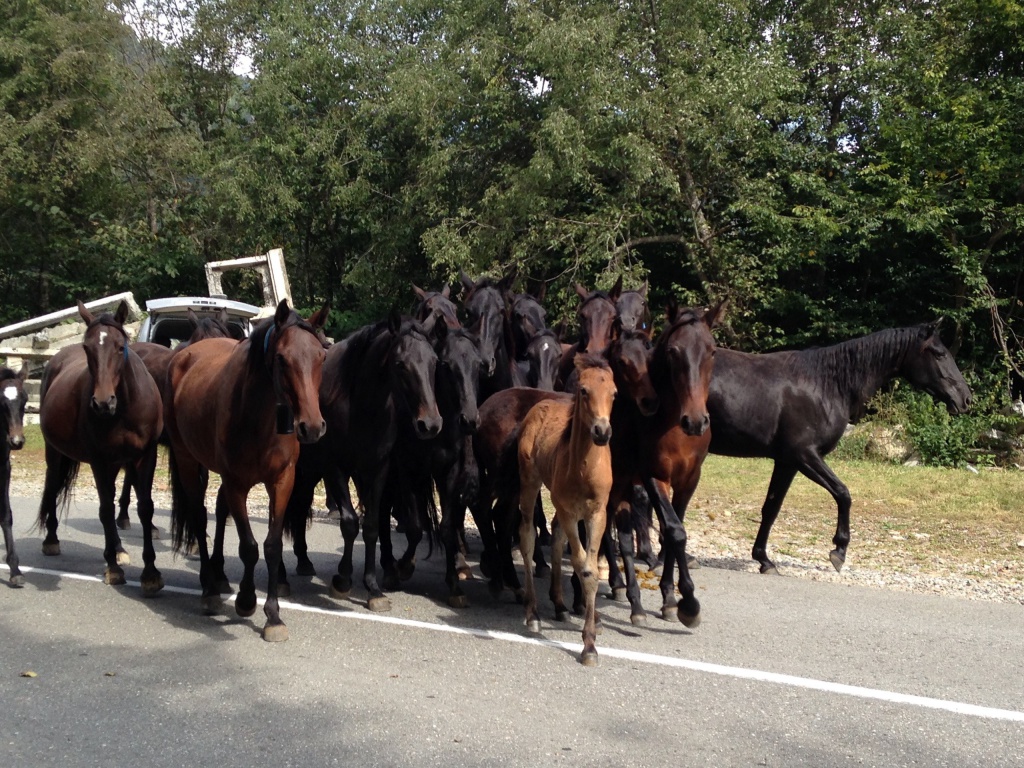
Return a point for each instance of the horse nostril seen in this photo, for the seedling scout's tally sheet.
(650, 404)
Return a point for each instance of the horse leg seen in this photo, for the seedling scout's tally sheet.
(275, 631)
(7, 525)
(506, 516)
(248, 549)
(297, 517)
(543, 534)
(348, 522)
(388, 565)
(416, 512)
(123, 521)
(688, 607)
(105, 478)
(782, 478)
(376, 600)
(815, 468)
(490, 563)
(59, 468)
(452, 519)
(584, 563)
(615, 578)
(218, 578)
(558, 541)
(640, 514)
(624, 523)
(143, 471)
(529, 489)
(541, 568)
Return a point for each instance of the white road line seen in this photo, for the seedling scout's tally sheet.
(742, 673)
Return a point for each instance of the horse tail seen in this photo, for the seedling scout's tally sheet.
(433, 522)
(506, 475)
(298, 514)
(183, 534)
(65, 473)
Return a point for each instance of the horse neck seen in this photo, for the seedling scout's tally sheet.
(858, 368)
(582, 449)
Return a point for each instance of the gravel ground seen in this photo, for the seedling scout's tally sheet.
(715, 544)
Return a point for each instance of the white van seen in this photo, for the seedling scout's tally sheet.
(167, 320)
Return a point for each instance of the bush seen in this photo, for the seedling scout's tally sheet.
(943, 440)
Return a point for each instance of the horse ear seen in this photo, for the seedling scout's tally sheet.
(394, 321)
(672, 309)
(281, 313)
(121, 314)
(560, 330)
(222, 316)
(319, 318)
(715, 314)
(542, 292)
(446, 292)
(468, 284)
(84, 313)
(643, 291)
(23, 373)
(420, 293)
(616, 290)
(193, 318)
(506, 283)
(580, 291)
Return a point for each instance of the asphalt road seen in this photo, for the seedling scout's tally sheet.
(782, 672)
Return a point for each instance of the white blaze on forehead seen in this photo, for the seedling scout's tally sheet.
(11, 392)
(545, 347)
(103, 335)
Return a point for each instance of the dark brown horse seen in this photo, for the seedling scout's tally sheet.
(485, 301)
(436, 303)
(242, 410)
(539, 366)
(12, 438)
(792, 407)
(99, 405)
(596, 317)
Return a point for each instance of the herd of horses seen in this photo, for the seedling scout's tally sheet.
(475, 405)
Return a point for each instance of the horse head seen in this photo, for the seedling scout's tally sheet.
(295, 357)
(485, 301)
(209, 326)
(595, 315)
(458, 353)
(592, 405)
(685, 353)
(106, 353)
(528, 318)
(629, 357)
(632, 309)
(12, 405)
(929, 366)
(412, 363)
(436, 303)
(543, 354)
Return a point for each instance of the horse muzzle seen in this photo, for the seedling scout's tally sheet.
(428, 428)
(468, 425)
(695, 427)
(601, 433)
(16, 442)
(309, 433)
(648, 405)
(104, 408)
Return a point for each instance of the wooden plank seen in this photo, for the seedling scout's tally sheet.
(38, 323)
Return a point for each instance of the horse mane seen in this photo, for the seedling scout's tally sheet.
(107, 319)
(847, 362)
(7, 373)
(359, 345)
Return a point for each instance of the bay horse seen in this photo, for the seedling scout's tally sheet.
(369, 378)
(792, 407)
(596, 315)
(527, 318)
(157, 359)
(99, 405)
(248, 429)
(565, 446)
(12, 438)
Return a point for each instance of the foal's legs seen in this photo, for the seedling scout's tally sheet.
(584, 563)
(558, 541)
(527, 541)
(782, 477)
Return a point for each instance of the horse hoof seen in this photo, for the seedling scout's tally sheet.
(123, 559)
(465, 574)
(124, 523)
(579, 610)
(245, 605)
(669, 612)
(406, 570)
(151, 585)
(378, 604)
(458, 601)
(692, 563)
(211, 605)
(223, 587)
(638, 619)
(619, 595)
(838, 559)
(18, 580)
(520, 595)
(533, 625)
(588, 658)
(561, 615)
(690, 622)
(305, 568)
(340, 588)
(51, 549)
(275, 633)
(113, 577)
(154, 532)
(284, 589)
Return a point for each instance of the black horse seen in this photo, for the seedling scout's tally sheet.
(793, 407)
(12, 438)
(485, 301)
(369, 379)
